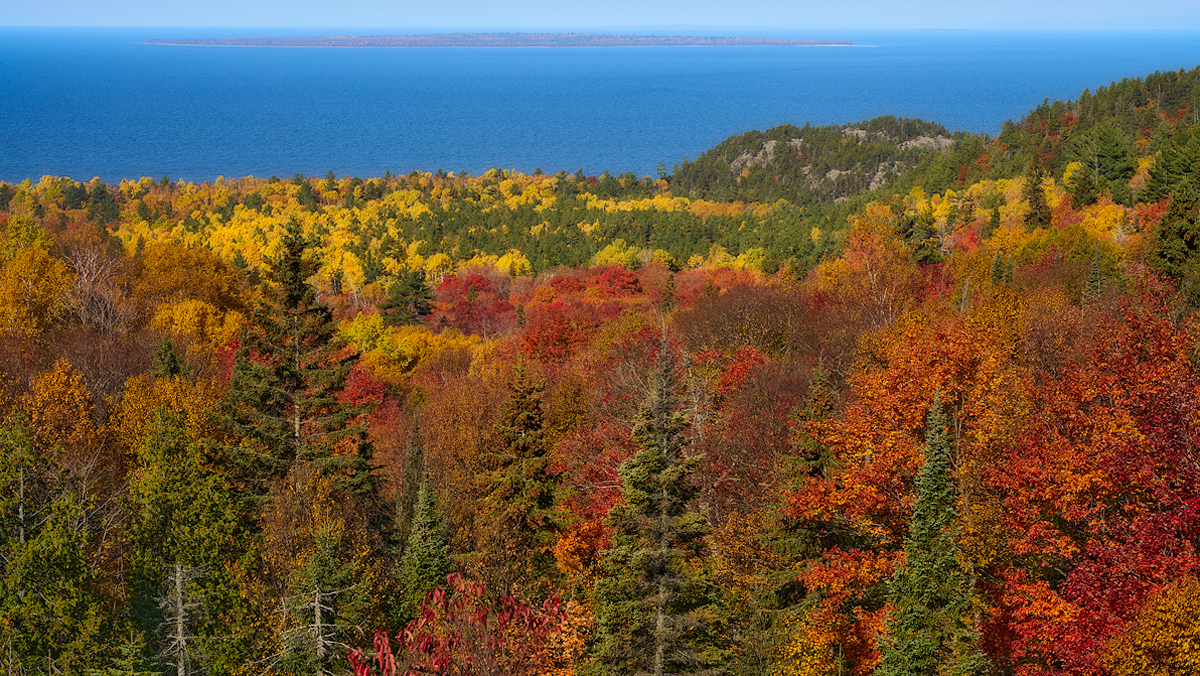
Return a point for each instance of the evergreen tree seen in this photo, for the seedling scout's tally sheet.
(328, 602)
(291, 365)
(932, 630)
(52, 614)
(1175, 251)
(1039, 211)
(167, 362)
(413, 477)
(409, 299)
(517, 519)
(128, 662)
(184, 527)
(1002, 269)
(426, 561)
(657, 610)
(1083, 188)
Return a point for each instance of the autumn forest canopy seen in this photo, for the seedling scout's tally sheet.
(877, 398)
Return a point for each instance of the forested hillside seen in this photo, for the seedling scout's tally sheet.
(874, 399)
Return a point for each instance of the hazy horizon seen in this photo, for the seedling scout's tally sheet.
(776, 15)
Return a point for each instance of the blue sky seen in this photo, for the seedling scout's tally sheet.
(611, 14)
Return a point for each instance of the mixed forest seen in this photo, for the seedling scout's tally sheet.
(875, 398)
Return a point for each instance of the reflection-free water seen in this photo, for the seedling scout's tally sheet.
(99, 102)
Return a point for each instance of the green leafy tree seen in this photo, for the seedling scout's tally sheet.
(932, 630)
(291, 366)
(658, 612)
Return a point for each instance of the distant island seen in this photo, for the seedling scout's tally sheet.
(495, 40)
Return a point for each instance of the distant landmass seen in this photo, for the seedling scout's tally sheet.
(494, 40)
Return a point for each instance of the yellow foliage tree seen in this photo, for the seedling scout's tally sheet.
(1165, 638)
(61, 417)
(33, 289)
(186, 401)
(198, 320)
(812, 649)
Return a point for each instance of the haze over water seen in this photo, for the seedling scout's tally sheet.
(98, 102)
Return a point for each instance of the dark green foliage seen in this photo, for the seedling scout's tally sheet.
(933, 627)
(328, 603)
(7, 192)
(74, 195)
(426, 561)
(1038, 215)
(306, 196)
(253, 201)
(1002, 269)
(517, 515)
(128, 662)
(805, 166)
(413, 477)
(167, 362)
(182, 513)
(1083, 188)
(102, 207)
(409, 299)
(658, 611)
(1175, 251)
(52, 614)
(291, 366)
(922, 237)
(1175, 167)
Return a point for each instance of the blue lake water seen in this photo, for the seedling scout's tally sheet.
(98, 102)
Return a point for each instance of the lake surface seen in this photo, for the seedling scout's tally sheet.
(98, 102)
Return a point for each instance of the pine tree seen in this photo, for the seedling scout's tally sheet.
(517, 517)
(328, 601)
(413, 476)
(167, 362)
(1175, 251)
(1039, 211)
(1083, 188)
(657, 610)
(932, 630)
(426, 561)
(291, 365)
(409, 299)
(184, 526)
(52, 616)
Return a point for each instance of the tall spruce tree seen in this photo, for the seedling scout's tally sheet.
(658, 611)
(426, 561)
(411, 480)
(283, 406)
(932, 630)
(184, 524)
(517, 517)
(409, 299)
(1038, 215)
(1175, 249)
